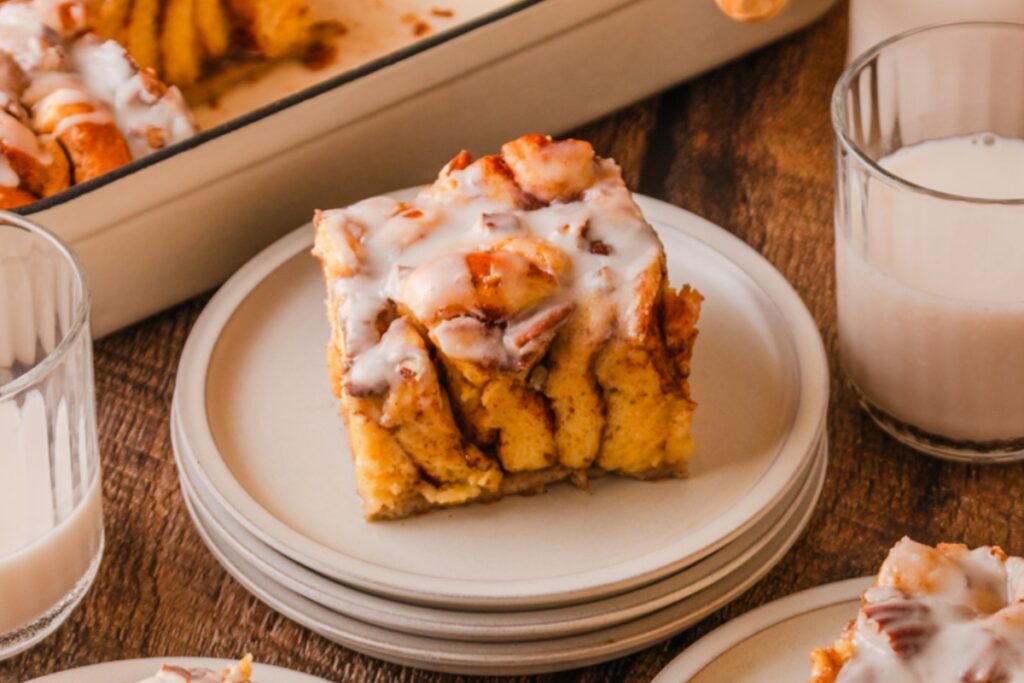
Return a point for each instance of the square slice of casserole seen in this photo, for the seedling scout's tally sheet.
(510, 327)
(170, 673)
(934, 615)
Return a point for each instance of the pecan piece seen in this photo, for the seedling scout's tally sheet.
(539, 325)
(907, 624)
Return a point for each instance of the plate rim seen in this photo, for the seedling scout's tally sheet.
(606, 648)
(706, 651)
(808, 422)
(144, 667)
(521, 632)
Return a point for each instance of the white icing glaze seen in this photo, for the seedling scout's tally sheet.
(416, 256)
(384, 364)
(951, 619)
(177, 675)
(17, 135)
(432, 287)
(49, 92)
(66, 17)
(99, 117)
(25, 35)
(8, 178)
(358, 311)
(46, 83)
(149, 117)
(12, 82)
(469, 339)
(173, 674)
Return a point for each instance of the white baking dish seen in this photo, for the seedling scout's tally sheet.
(392, 110)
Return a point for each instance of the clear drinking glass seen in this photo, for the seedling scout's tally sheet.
(929, 140)
(51, 521)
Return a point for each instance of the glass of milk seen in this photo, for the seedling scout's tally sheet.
(51, 521)
(929, 139)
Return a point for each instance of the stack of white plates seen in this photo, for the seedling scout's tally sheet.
(526, 584)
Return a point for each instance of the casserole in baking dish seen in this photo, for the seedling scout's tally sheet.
(161, 229)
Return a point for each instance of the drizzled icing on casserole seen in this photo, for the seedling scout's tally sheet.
(946, 615)
(149, 114)
(491, 259)
(54, 76)
(169, 673)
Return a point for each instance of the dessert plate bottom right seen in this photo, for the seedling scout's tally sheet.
(773, 642)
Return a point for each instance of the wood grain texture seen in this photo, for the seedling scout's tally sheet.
(747, 146)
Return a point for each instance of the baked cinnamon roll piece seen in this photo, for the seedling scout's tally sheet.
(510, 327)
(169, 673)
(934, 615)
(30, 167)
(73, 108)
(150, 114)
(196, 44)
(64, 108)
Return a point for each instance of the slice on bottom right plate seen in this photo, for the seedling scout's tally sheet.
(946, 614)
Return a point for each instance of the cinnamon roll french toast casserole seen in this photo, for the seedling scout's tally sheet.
(74, 106)
(169, 673)
(934, 615)
(509, 327)
(206, 46)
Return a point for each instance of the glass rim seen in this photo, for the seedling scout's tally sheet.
(81, 317)
(841, 130)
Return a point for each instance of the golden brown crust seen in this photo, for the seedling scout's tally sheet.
(206, 46)
(12, 198)
(576, 396)
(826, 663)
(39, 179)
(214, 28)
(94, 149)
(143, 40)
(274, 27)
(180, 42)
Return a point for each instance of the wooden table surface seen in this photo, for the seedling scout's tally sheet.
(747, 146)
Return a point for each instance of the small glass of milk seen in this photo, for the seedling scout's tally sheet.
(51, 520)
(929, 140)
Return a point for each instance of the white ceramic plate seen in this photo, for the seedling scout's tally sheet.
(262, 426)
(773, 642)
(132, 670)
(491, 626)
(511, 658)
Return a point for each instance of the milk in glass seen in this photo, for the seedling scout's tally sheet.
(51, 522)
(931, 294)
